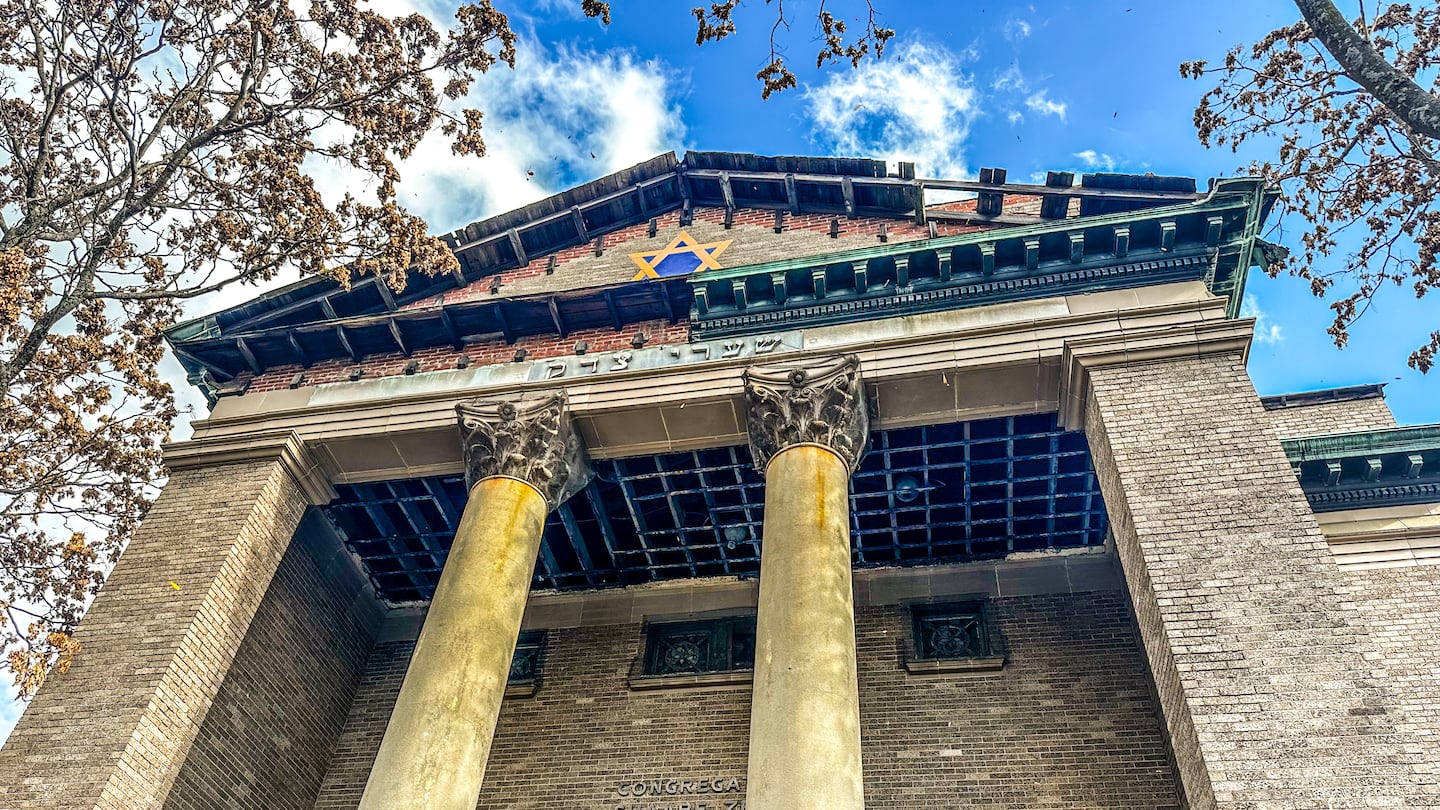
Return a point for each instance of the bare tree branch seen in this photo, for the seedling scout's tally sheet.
(1404, 98)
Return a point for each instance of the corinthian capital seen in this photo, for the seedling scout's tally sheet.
(528, 438)
(822, 403)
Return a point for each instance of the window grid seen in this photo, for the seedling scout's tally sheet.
(938, 493)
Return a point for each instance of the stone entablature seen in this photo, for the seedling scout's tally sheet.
(1384, 537)
(925, 369)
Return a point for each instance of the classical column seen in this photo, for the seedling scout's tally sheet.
(808, 427)
(521, 460)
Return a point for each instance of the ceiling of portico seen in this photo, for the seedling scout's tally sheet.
(938, 493)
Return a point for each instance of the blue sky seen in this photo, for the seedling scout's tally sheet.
(1027, 87)
(1079, 86)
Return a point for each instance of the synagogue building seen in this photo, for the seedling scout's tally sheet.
(730, 481)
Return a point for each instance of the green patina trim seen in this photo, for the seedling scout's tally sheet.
(1228, 195)
(1416, 439)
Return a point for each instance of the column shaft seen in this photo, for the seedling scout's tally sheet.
(805, 713)
(438, 740)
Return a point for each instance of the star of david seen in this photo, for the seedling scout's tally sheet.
(683, 256)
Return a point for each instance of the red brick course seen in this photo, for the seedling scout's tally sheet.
(492, 352)
(898, 228)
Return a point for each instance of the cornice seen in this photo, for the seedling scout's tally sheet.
(898, 303)
(1367, 469)
(285, 446)
(1390, 494)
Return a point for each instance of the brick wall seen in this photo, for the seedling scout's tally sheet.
(1069, 723)
(1401, 608)
(113, 732)
(752, 235)
(267, 739)
(1261, 661)
(1332, 417)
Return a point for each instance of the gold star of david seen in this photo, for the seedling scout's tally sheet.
(683, 245)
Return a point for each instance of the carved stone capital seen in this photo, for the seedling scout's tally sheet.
(822, 403)
(529, 438)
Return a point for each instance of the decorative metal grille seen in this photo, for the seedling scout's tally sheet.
(525, 665)
(923, 495)
(951, 631)
(691, 648)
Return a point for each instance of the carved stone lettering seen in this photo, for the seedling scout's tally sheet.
(766, 344)
(681, 793)
(822, 403)
(529, 438)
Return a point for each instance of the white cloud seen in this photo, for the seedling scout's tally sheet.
(568, 116)
(1015, 117)
(1016, 30)
(1039, 103)
(1096, 160)
(10, 708)
(1011, 79)
(914, 106)
(568, 9)
(1266, 331)
(559, 118)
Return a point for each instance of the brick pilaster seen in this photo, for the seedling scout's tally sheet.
(114, 731)
(1265, 673)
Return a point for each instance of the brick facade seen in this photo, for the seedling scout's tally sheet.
(268, 737)
(114, 731)
(753, 241)
(1332, 417)
(492, 352)
(1401, 608)
(1262, 662)
(1070, 722)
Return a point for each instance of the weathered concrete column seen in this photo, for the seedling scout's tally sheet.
(521, 460)
(1265, 674)
(808, 427)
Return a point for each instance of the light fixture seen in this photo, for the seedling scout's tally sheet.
(907, 489)
(735, 535)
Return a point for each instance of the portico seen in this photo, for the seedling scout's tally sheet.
(885, 505)
(807, 418)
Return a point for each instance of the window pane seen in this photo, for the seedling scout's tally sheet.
(688, 648)
(525, 665)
